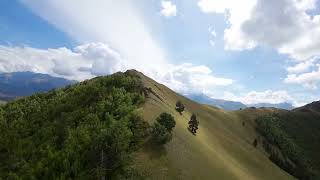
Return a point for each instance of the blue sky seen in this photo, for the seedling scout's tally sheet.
(248, 51)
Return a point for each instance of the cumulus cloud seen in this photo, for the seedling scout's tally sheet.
(168, 9)
(305, 73)
(106, 60)
(254, 97)
(236, 13)
(82, 62)
(188, 78)
(309, 80)
(300, 67)
(282, 24)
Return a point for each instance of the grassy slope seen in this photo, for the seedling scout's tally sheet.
(222, 148)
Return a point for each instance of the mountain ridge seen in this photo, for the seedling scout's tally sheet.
(69, 124)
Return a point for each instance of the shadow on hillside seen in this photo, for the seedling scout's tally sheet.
(191, 131)
(154, 150)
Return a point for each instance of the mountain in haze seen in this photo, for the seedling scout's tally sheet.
(234, 105)
(285, 105)
(18, 84)
(220, 103)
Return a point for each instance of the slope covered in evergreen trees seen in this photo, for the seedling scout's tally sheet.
(297, 135)
(85, 131)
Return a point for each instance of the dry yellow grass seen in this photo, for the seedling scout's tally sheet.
(222, 148)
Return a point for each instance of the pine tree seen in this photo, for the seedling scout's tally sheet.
(193, 124)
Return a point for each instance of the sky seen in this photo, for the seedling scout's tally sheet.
(253, 51)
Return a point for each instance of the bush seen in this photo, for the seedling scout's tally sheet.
(166, 120)
(179, 107)
(160, 134)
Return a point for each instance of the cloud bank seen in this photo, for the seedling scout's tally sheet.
(268, 96)
(82, 62)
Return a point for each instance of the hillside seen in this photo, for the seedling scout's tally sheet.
(222, 149)
(296, 134)
(18, 84)
(95, 129)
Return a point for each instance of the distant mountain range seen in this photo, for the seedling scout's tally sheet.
(284, 105)
(234, 105)
(222, 104)
(18, 84)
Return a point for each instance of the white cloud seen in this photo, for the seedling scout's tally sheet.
(188, 78)
(96, 59)
(282, 24)
(305, 73)
(212, 42)
(106, 60)
(212, 31)
(85, 61)
(213, 35)
(236, 13)
(309, 80)
(254, 97)
(168, 9)
(300, 67)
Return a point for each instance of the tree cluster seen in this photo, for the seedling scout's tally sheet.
(162, 128)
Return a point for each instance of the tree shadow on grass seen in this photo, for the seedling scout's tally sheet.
(155, 150)
(190, 130)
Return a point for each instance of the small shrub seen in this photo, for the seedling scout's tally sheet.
(193, 124)
(167, 120)
(179, 107)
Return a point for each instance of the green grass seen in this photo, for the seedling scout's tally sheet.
(222, 148)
